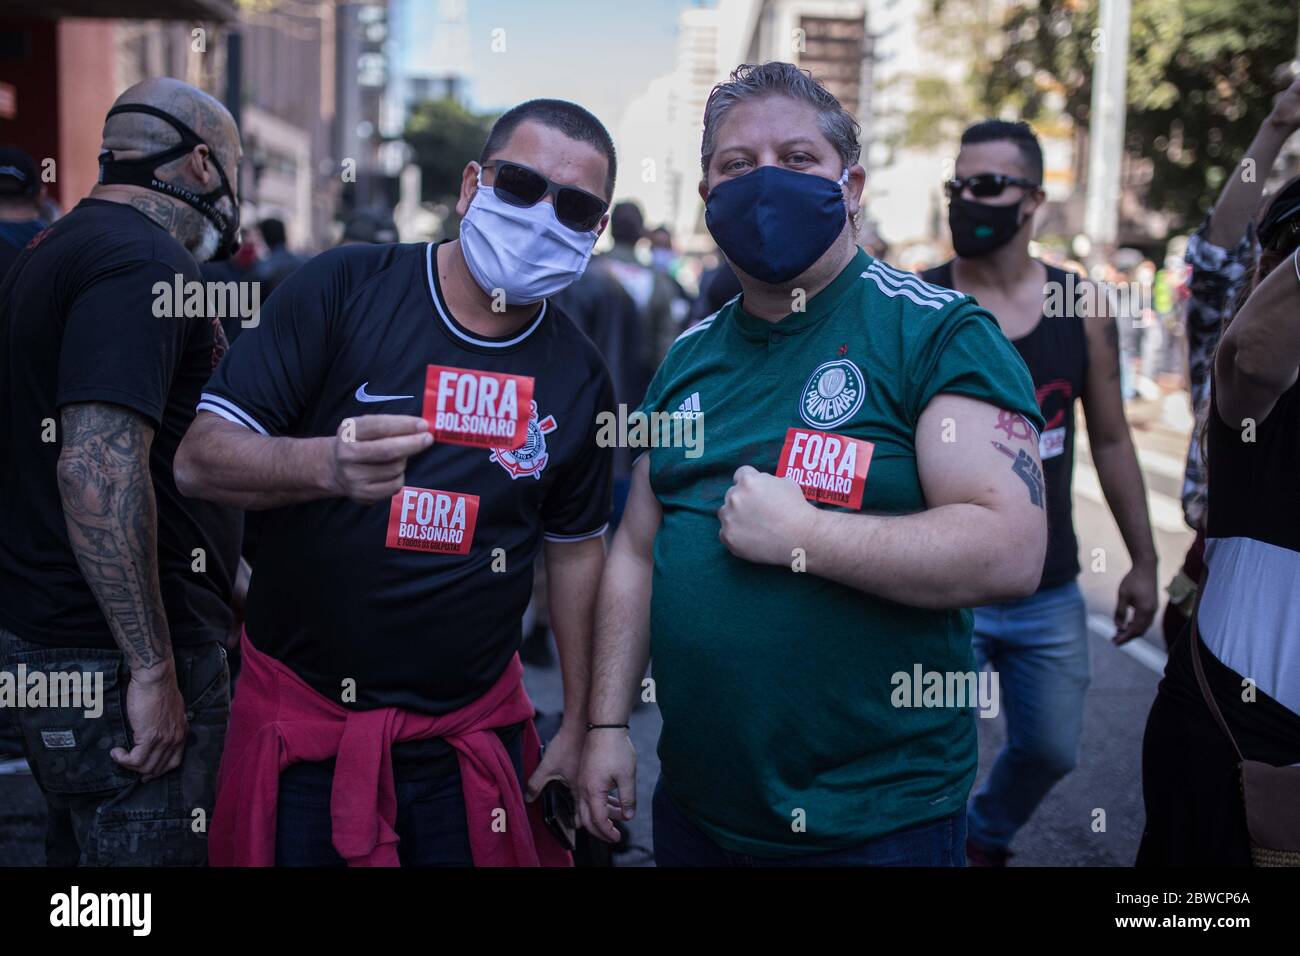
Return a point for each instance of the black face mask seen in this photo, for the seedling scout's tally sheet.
(978, 228)
(140, 172)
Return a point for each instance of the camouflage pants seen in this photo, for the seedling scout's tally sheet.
(99, 813)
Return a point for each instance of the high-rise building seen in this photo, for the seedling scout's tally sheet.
(362, 78)
(659, 135)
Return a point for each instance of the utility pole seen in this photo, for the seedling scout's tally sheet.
(1106, 131)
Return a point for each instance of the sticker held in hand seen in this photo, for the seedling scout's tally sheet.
(466, 406)
(424, 519)
(831, 469)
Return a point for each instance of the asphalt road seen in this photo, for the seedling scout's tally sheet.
(1108, 775)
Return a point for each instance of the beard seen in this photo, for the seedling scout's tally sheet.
(205, 239)
(208, 240)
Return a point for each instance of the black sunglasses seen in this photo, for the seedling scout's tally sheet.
(518, 185)
(1280, 230)
(986, 185)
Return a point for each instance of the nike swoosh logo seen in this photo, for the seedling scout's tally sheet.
(364, 396)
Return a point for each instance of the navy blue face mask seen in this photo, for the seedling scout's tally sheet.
(774, 223)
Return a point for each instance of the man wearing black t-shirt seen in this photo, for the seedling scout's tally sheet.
(419, 420)
(21, 196)
(112, 585)
(1039, 644)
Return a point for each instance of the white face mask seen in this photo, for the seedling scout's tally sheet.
(524, 251)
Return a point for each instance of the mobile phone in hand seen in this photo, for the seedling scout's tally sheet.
(558, 812)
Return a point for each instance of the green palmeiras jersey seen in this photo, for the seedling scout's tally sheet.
(781, 734)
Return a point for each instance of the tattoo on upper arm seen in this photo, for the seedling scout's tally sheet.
(1023, 464)
(1014, 425)
(108, 504)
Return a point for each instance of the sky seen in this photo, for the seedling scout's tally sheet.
(598, 53)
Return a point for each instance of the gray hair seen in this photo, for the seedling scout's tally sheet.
(750, 80)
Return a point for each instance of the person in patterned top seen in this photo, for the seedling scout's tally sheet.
(1223, 255)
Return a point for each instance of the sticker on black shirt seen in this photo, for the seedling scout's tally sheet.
(829, 468)
(466, 406)
(297, 375)
(425, 519)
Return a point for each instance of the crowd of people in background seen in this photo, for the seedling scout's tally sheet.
(979, 544)
(669, 290)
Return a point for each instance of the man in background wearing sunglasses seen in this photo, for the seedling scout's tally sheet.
(1039, 644)
(418, 419)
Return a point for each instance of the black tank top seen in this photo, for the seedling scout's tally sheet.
(1056, 352)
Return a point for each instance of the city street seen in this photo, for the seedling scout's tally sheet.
(1108, 776)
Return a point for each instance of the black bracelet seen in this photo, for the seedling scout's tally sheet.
(591, 727)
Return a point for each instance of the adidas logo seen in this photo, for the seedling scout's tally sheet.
(689, 408)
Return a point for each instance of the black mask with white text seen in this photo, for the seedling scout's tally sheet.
(140, 172)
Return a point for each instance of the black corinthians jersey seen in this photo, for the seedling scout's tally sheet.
(418, 600)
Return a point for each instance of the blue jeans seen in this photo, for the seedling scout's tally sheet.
(431, 825)
(1039, 648)
(678, 842)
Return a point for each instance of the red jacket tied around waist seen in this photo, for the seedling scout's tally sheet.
(277, 719)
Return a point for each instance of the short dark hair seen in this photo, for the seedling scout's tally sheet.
(625, 222)
(754, 80)
(272, 231)
(569, 118)
(17, 174)
(1019, 133)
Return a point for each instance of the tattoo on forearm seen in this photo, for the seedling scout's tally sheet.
(108, 504)
(1023, 464)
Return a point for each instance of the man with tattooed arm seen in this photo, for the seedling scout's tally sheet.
(112, 585)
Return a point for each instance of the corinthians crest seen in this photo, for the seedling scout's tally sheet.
(832, 395)
(530, 457)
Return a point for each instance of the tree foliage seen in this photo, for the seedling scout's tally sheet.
(1202, 75)
(444, 137)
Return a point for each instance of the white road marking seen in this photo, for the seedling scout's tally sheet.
(1142, 651)
(1166, 512)
(1153, 462)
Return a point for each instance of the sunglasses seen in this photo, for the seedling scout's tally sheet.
(986, 185)
(521, 186)
(1280, 232)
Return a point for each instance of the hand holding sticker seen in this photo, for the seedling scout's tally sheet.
(466, 406)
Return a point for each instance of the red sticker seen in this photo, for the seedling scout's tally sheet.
(466, 406)
(829, 468)
(423, 519)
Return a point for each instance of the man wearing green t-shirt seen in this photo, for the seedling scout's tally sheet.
(869, 468)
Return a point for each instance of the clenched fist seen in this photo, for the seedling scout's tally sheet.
(764, 518)
(370, 453)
